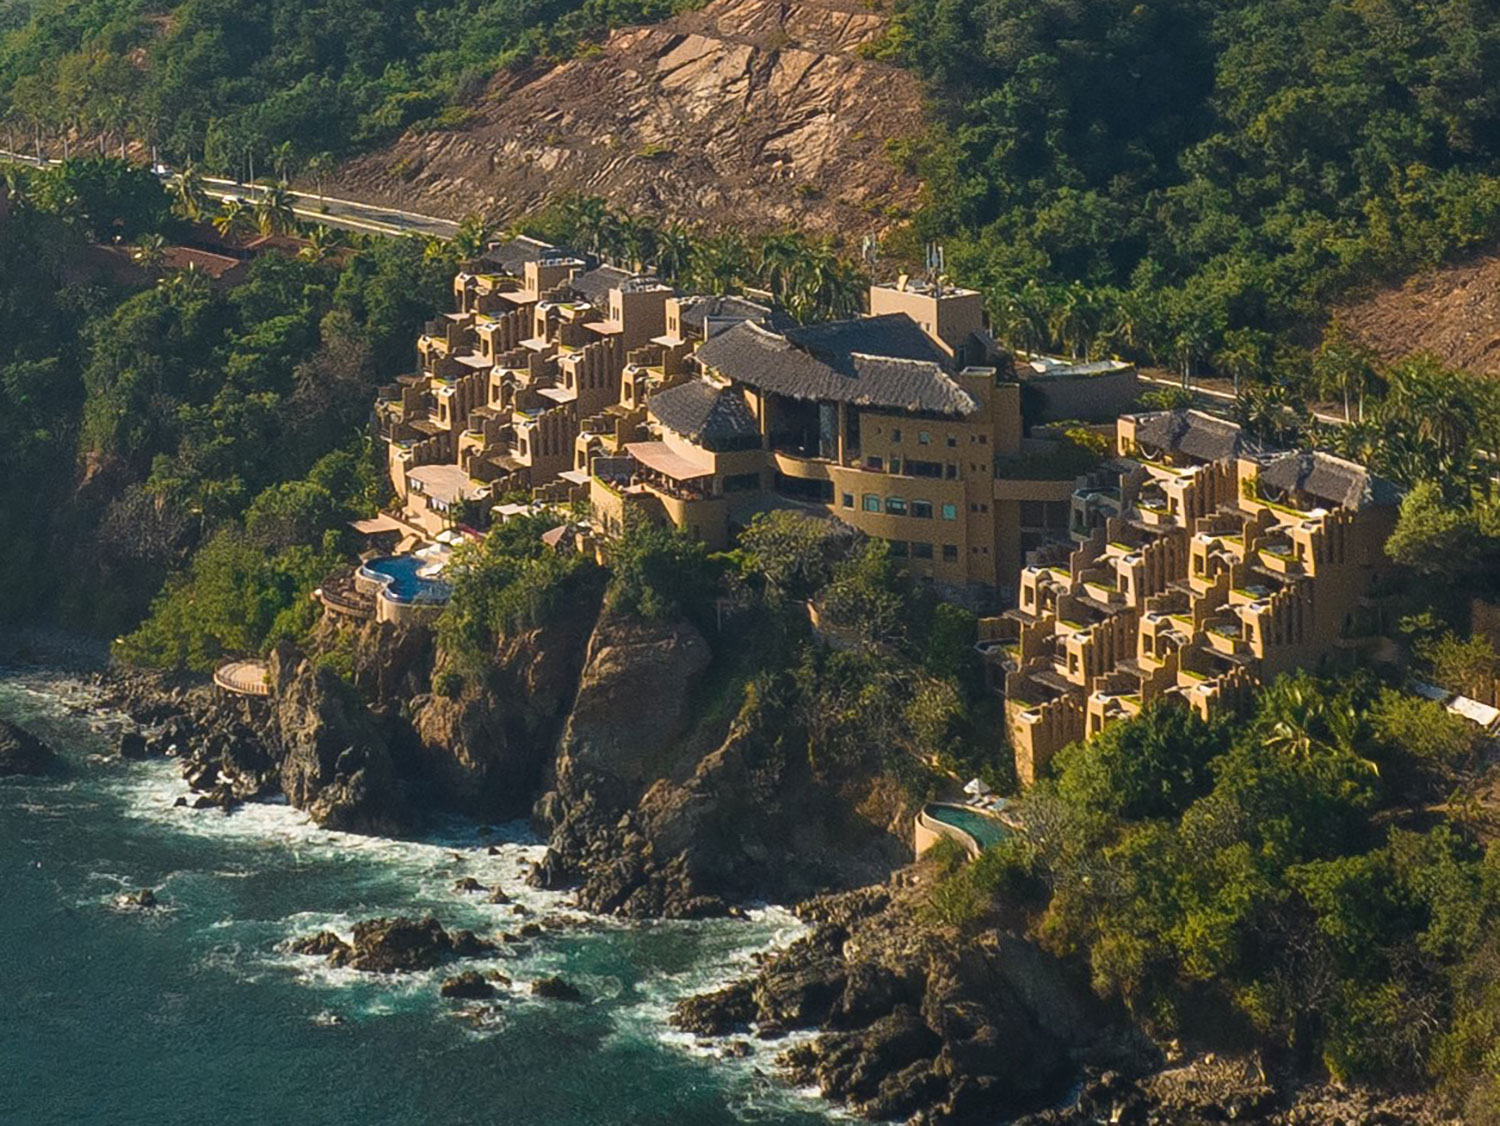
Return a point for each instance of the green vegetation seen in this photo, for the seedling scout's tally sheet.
(203, 417)
(1188, 180)
(510, 583)
(277, 84)
(810, 278)
(1301, 872)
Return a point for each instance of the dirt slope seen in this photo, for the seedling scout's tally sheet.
(756, 112)
(1452, 312)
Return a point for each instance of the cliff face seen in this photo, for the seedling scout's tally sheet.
(660, 809)
(756, 112)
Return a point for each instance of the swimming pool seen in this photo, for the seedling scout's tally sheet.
(985, 830)
(399, 576)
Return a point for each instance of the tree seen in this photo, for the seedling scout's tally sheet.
(320, 166)
(189, 196)
(274, 214)
(469, 239)
(149, 253)
(1152, 767)
(235, 219)
(1435, 537)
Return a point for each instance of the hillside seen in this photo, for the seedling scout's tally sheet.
(751, 111)
(1453, 313)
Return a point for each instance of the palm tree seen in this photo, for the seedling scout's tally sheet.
(274, 214)
(320, 166)
(1244, 356)
(777, 260)
(469, 239)
(185, 285)
(283, 160)
(720, 262)
(190, 198)
(150, 252)
(1298, 717)
(1343, 367)
(674, 252)
(321, 242)
(637, 242)
(235, 219)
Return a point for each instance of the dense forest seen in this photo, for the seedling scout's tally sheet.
(230, 83)
(152, 413)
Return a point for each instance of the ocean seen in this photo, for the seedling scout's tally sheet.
(192, 1014)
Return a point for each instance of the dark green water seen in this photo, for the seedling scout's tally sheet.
(191, 1015)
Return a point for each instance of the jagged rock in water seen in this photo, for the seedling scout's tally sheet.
(470, 985)
(401, 945)
(556, 989)
(21, 752)
(716, 1014)
(324, 944)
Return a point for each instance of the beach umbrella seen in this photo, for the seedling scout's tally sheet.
(977, 788)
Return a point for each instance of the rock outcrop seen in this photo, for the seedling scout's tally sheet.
(914, 1021)
(336, 759)
(390, 946)
(21, 752)
(754, 112)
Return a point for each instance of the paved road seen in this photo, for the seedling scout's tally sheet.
(331, 210)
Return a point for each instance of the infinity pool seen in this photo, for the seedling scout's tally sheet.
(986, 830)
(402, 582)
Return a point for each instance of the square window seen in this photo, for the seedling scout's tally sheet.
(875, 464)
(952, 471)
(898, 548)
(922, 509)
(848, 500)
(952, 441)
(950, 553)
(895, 506)
(921, 550)
(923, 438)
(872, 503)
(950, 512)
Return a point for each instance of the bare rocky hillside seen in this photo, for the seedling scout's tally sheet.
(1452, 312)
(757, 112)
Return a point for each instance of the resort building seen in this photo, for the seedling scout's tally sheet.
(538, 341)
(1202, 565)
(892, 423)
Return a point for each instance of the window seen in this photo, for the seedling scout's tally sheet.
(952, 471)
(921, 550)
(950, 553)
(874, 463)
(895, 434)
(895, 506)
(924, 468)
(922, 509)
(950, 512)
(896, 466)
(872, 502)
(741, 482)
(848, 500)
(898, 548)
(923, 438)
(984, 439)
(953, 441)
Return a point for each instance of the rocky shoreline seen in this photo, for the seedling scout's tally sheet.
(898, 1020)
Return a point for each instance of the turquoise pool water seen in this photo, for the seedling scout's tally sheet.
(402, 582)
(986, 830)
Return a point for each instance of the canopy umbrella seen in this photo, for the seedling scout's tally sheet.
(977, 788)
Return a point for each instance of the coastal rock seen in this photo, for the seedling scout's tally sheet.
(401, 945)
(556, 989)
(21, 752)
(716, 1014)
(470, 985)
(486, 751)
(323, 944)
(132, 745)
(919, 1023)
(469, 884)
(336, 759)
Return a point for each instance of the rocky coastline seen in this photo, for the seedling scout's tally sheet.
(651, 811)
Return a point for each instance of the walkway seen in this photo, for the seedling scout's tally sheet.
(243, 678)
